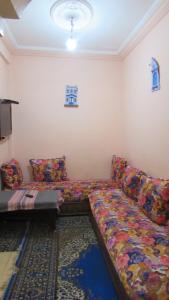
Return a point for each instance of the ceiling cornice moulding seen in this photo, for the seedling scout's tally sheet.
(160, 10)
(65, 54)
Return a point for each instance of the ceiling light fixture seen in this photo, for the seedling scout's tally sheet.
(71, 15)
(71, 42)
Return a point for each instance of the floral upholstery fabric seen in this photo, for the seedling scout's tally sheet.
(11, 174)
(39, 186)
(132, 182)
(138, 248)
(49, 170)
(118, 166)
(73, 190)
(154, 199)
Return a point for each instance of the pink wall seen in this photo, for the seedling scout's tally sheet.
(5, 145)
(147, 113)
(43, 127)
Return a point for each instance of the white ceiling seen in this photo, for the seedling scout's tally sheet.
(114, 23)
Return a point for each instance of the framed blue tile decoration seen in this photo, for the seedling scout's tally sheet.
(71, 96)
(155, 69)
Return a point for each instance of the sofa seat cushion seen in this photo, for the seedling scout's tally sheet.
(138, 248)
(154, 200)
(73, 190)
(39, 186)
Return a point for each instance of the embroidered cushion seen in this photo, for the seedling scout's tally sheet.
(154, 199)
(12, 175)
(118, 166)
(49, 170)
(132, 182)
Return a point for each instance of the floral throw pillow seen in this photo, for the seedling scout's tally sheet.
(132, 182)
(154, 200)
(11, 173)
(118, 166)
(49, 170)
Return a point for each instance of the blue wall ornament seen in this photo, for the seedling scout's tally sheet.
(71, 96)
(155, 69)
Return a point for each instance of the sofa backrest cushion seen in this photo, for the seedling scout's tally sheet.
(132, 182)
(11, 173)
(118, 166)
(49, 170)
(154, 199)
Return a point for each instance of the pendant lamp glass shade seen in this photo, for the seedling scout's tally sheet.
(71, 44)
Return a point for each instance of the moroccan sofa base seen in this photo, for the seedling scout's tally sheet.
(137, 247)
(75, 208)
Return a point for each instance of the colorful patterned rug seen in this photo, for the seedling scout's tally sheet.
(11, 237)
(37, 266)
(65, 265)
(11, 234)
(82, 273)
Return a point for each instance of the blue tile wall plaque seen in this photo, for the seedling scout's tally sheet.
(155, 69)
(71, 96)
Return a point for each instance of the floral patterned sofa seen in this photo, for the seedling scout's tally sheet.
(133, 224)
(131, 211)
(50, 174)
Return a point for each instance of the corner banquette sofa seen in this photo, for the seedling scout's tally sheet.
(50, 174)
(130, 213)
(132, 222)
